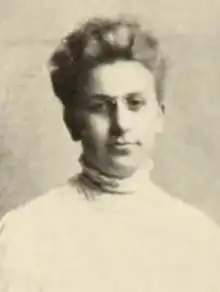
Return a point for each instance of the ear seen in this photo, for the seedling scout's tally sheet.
(160, 119)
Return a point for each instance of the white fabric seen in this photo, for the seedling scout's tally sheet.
(114, 185)
(145, 242)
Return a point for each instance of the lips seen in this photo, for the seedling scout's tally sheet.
(122, 147)
(122, 142)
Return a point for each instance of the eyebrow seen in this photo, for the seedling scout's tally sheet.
(110, 97)
(102, 96)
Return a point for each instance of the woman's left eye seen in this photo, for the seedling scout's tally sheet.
(136, 104)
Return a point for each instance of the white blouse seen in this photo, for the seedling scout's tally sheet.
(78, 239)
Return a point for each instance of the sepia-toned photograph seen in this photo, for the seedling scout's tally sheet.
(109, 146)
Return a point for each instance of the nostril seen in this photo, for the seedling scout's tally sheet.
(121, 120)
(116, 130)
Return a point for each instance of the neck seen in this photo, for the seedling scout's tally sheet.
(113, 184)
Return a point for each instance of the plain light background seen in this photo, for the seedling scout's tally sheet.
(36, 152)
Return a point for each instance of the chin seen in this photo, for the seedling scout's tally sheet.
(123, 167)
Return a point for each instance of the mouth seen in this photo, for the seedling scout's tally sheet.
(123, 144)
(122, 147)
(122, 141)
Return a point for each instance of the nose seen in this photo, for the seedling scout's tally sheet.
(121, 119)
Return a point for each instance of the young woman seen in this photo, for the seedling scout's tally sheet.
(109, 228)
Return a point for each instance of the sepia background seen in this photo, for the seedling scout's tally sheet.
(36, 152)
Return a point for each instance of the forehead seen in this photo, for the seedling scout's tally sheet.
(120, 78)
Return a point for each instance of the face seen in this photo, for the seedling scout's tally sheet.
(120, 117)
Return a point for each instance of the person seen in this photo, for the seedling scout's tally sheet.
(109, 228)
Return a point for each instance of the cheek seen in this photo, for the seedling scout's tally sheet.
(96, 128)
(146, 126)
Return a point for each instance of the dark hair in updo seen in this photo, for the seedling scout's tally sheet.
(102, 40)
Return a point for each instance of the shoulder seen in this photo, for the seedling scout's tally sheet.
(37, 228)
(44, 212)
(31, 232)
(193, 237)
(189, 220)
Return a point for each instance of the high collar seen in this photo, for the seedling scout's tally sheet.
(94, 178)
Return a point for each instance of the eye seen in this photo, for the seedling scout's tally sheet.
(136, 103)
(98, 106)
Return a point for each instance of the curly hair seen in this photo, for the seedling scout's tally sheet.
(103, 40)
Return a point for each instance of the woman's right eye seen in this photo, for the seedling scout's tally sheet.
(98, 107)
